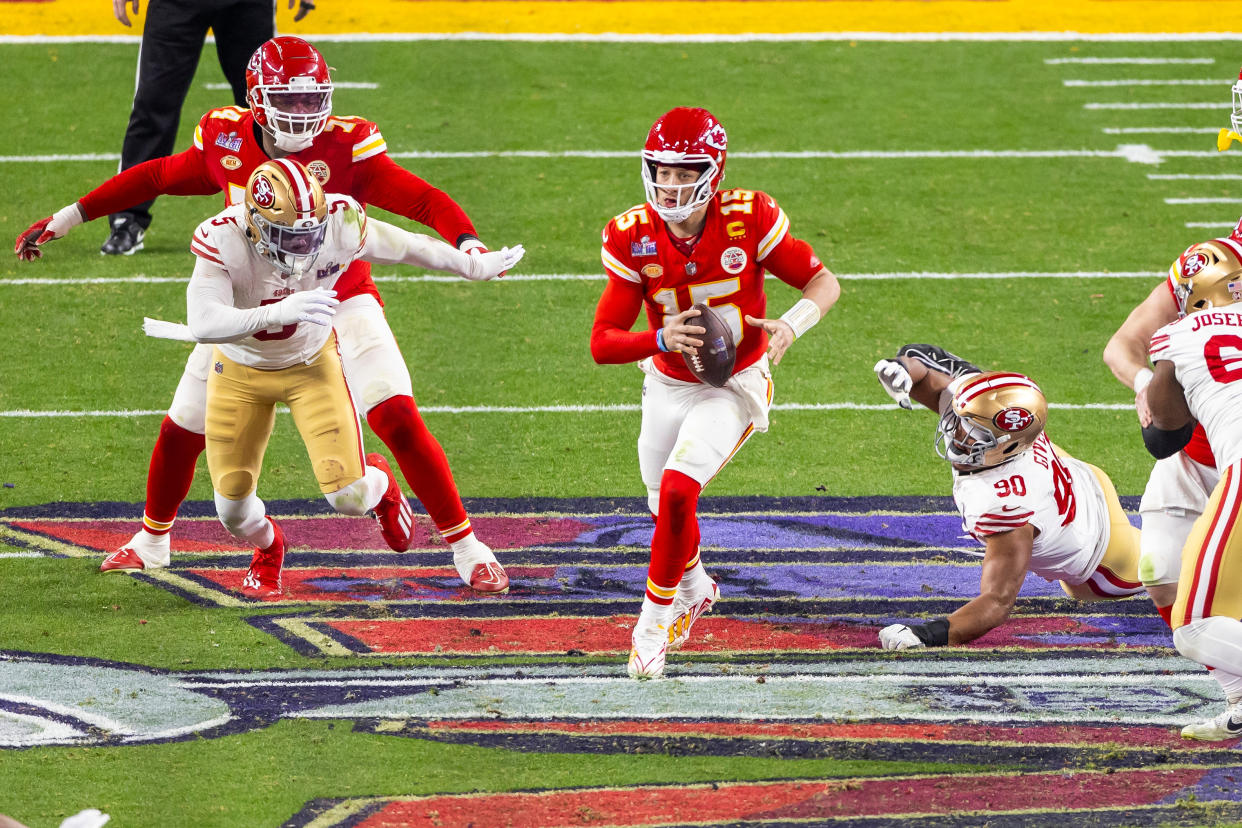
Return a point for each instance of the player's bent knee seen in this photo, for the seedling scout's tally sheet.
(241, 516)
(1187, 638)
(236, 485)
(331, 474)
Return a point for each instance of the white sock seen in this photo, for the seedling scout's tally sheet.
(695, 577)
(1230, 683)
(653, 615)
(246, 519)
(362, 495)
(1215, 641)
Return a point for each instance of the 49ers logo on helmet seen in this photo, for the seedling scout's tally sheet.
(262, 193)
(1013, 419)
(1194, 264)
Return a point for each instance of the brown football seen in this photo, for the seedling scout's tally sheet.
(713, 364)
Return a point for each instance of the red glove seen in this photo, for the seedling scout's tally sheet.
(44, 230)
(27, 245)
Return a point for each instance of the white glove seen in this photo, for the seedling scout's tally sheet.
(90, 818)
(899, 637)
(485, 266)
(317, 306)
(895, 380)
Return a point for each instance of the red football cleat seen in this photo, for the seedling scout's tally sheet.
(262, 581)
(489, 578)
(396, 518)
(124, 559)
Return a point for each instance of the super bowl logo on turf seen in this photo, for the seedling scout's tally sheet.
(262, 192)
(1013, 419)
(733, 260)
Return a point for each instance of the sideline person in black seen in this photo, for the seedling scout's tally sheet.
(172, 40)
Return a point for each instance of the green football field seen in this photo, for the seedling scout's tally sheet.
(981, 196)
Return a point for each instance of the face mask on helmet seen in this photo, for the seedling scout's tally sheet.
(286, 215)
(690, 197)
(992, 419)
(1235, 119)
(290, 91)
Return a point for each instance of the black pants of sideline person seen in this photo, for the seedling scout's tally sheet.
(172, 42)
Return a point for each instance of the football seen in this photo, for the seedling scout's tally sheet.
(713, 364)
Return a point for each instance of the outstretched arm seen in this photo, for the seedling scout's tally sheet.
(1004, 569)
(921, 372)
(384, 243)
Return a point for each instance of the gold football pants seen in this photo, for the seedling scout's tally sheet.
(241, 409)
(1210, 583)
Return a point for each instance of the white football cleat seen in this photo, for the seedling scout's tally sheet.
(1222, 728)
(478, 568)
(144, 551)
(648, 646)
(688, 605)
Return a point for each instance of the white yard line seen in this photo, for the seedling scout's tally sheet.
(1212, 225)
(1148, 82)
(141, 279)
(1189, 177)
(1137, 153)
(1160, 131)
(1159, 105)
(547, 409)
(1203, 201)
(756, 37)
(1140, 61)
(336, 84)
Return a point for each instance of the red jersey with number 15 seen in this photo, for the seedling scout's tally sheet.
(745, 234)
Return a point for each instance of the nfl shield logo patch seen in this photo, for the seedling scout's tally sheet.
(219, 367)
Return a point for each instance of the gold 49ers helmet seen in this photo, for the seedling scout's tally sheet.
(286, 214)
(1207, 275)
(992, 418)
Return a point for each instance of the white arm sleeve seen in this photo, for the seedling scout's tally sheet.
(386, 244)
(210, 311)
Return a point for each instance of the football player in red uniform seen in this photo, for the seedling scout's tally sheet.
(290, 94)
(693, 242)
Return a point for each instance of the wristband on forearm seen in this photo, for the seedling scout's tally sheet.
(934, 633)
(802, 316)
(1142, 379)
(664, 349)
(67, 218)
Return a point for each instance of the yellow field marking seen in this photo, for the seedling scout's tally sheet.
(93, 17)
(303, 630)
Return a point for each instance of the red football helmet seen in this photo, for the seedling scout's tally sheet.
(289, 90)
(685, 137)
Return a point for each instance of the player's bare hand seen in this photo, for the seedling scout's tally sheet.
(680, 334)
(118, 9)
(780, 336)
(1141, 407)
(316, 306)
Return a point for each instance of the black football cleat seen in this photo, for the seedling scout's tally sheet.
(126, 239)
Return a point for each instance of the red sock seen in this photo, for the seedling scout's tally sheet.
(397, 422)
(170, 474)
(676, 535)
(1167, 614)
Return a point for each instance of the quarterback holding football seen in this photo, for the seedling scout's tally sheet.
(708, 383)
(1033, 507)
